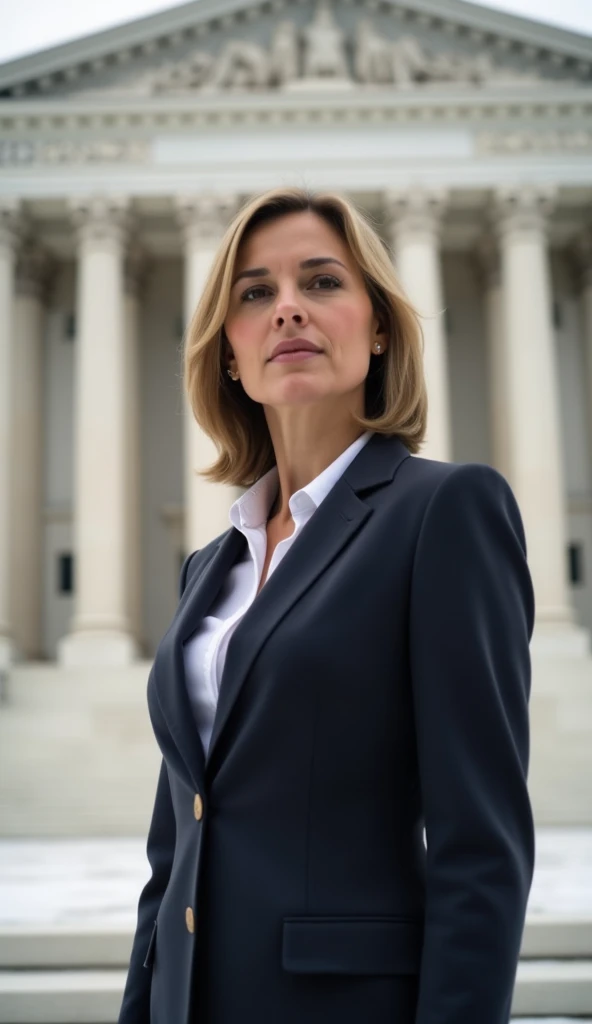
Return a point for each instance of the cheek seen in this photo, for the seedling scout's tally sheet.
(242, 333)
(349, 327)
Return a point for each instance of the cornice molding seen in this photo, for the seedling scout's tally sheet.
(122, 113)
(126, 138)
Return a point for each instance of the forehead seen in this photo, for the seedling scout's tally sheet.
(292, 237)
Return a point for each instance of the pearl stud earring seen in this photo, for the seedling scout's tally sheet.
(231, 374)
(377, 347)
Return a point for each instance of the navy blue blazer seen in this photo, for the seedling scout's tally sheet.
(377, 685)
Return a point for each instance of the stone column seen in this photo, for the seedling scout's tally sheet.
(489, 261)
(535, 468)
(582, 260)
(135, 269)
(32, 280)
(8, 239)
(415, 233)
(100, 631)
(204, 220)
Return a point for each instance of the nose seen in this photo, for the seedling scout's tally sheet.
(289, 310)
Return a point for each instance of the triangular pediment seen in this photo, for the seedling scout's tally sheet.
(231, 46)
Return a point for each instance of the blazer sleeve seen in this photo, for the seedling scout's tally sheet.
(160, 849)
(471, 620)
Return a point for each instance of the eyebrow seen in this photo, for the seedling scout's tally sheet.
(316, 261)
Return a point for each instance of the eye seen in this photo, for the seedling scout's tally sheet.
(250, 294)
(327, 282)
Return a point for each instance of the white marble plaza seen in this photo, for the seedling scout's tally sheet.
(67, 916)
(96, 883)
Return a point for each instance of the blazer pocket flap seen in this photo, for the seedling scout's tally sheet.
(352, 945)
(149, 960)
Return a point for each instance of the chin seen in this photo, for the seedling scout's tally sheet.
(299, 392)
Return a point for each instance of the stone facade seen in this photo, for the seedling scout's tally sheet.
(464, 133)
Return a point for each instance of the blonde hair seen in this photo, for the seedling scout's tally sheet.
(396, 397)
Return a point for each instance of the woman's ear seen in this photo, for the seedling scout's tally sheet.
(379, 332)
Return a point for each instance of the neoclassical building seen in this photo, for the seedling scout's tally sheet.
(466, 135)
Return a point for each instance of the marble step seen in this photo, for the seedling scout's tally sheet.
(556, 936)
(60, 997)
(546, 987)
(543, 988)
(31, 946)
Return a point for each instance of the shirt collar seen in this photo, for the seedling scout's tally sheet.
(251, 509)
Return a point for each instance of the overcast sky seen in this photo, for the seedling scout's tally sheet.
(35, 24)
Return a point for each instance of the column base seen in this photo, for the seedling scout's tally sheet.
(96, 647)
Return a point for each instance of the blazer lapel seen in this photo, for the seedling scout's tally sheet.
(331, 528)
(169, 672)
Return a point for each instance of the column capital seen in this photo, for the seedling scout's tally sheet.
(204, 217)
(11, 222)
(415, 209)
(488, 259)
(100, 217)
(34, 270)
(522, 208)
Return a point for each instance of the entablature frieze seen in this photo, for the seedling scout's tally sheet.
(48, 132)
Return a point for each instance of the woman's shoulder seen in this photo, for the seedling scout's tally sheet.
(432, 474)
(453, 498)
(456, 489)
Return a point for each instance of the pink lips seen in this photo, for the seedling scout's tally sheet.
(293, 349)
(294, 357)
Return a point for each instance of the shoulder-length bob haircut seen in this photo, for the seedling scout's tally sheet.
(396, 397)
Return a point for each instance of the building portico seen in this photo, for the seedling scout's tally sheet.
(465, 134)
(507, 355)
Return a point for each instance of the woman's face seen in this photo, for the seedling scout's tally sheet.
(295, 281)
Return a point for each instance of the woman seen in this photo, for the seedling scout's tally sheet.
(366, 621)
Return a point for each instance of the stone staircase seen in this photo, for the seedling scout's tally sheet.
(75, 974)
(77, 752)
(78, 760)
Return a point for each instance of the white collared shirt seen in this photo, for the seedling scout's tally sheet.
(205, 652)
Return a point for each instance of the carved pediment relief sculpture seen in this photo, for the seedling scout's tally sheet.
(317, 54)
(324, 47)
(404, 62)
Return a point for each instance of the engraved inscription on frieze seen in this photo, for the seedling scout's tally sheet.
(524, 141)
(20, 153)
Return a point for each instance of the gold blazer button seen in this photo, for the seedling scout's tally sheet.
(198, 807)
(189, 920)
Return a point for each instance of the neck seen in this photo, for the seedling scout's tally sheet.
(304, 446)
